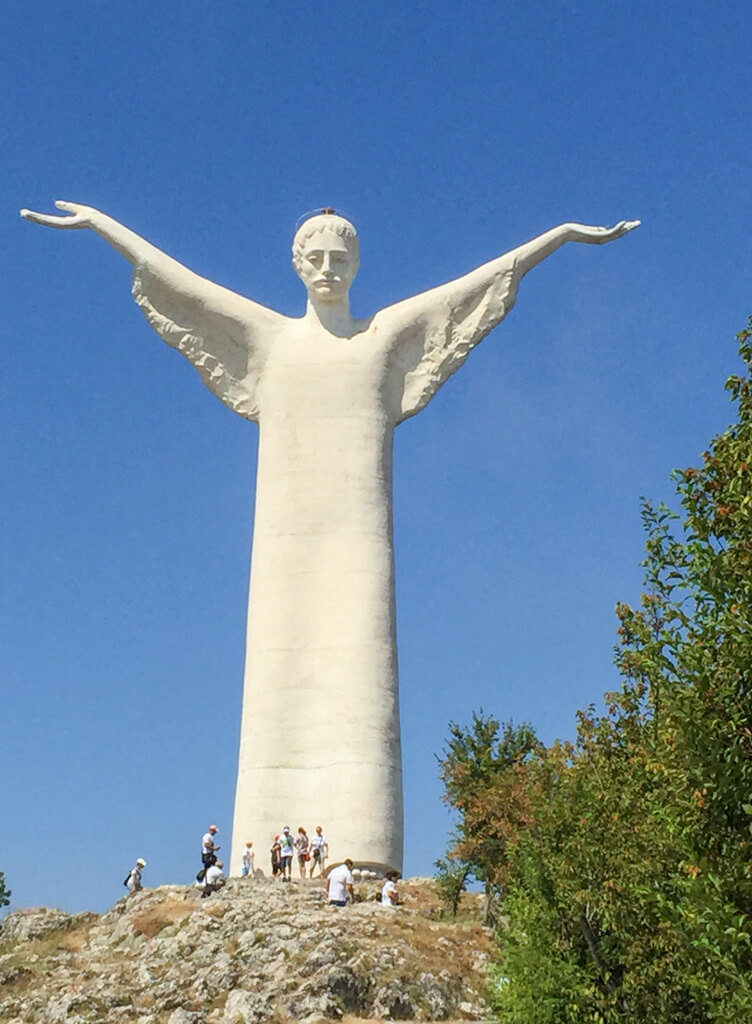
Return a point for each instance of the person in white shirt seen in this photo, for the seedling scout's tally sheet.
(339, 883)
(247, 860)
(287, 848)
(215, 878)
(319, 851)
(389, 897)
(133, 881)
(209, 847)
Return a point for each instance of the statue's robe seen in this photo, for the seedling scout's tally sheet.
(320, 736)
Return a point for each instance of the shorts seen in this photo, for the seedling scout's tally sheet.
(285, 860)
(337, 903)
(317, 854)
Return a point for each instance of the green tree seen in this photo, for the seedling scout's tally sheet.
(484, 771)
(451, 882)
(5, 894)
(629, 876)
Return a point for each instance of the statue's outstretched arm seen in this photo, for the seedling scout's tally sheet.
(431, 334)
(225, 335)
(143, 254)
(135, 249)
(532, 253)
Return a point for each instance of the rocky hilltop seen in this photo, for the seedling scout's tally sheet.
(257, 951)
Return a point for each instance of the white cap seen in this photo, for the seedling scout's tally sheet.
(140, 863)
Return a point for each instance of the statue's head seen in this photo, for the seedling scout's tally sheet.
(326, 255)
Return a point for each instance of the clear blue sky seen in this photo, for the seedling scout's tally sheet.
(449, 133)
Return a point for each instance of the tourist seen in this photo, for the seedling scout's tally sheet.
(276, 861)
(209, 848)
(319, 851)
(214, 880)
(339, 883)
(287, 848)
(247, 868)
(302, 844)
(133, 879)
(389, 897)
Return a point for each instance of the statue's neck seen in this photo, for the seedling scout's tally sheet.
(334, 317)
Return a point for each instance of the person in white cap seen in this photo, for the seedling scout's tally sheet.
(287, 848)
(209, 848)
(133, 881)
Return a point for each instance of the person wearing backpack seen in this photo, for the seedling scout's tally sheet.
(132, 880)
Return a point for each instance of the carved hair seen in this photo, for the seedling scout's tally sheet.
(328, 222)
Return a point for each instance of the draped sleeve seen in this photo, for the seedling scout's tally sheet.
(224, 335)
(431, 335)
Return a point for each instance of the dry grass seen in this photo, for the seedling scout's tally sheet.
(74, 941)
(151, 921)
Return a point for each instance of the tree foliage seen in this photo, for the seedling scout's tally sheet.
(5, 893)
(625, 857)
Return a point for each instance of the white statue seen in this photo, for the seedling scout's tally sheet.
(320, 736)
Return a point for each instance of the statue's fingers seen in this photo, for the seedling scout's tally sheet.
(48, 220)
(61, 204)
(32, 215)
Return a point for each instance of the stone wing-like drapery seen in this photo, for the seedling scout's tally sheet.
(222, 346)
(436, 331)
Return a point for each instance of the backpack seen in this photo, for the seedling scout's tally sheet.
(127, 878)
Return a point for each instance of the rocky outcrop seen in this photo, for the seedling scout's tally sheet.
(257, 951)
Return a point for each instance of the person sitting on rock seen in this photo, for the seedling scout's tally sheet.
(389, 897)
(133, 881)
(339, 884)
(214, 880)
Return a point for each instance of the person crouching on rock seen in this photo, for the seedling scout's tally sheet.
(214, 879)
(389, 897)
(339, 884)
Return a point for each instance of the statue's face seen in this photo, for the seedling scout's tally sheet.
(327, 266)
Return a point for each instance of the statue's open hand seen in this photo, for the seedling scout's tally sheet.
(80, 216)
(597, 236)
